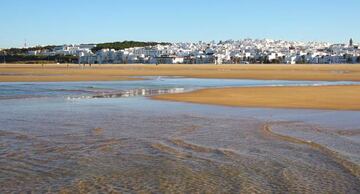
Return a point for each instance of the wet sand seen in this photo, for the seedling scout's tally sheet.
(75, 72)
(314, 97)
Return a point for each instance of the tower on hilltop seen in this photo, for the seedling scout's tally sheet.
(351, 42)
(25, 44)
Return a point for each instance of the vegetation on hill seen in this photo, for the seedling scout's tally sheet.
(19, 51)
(125, 44)
(37, 59)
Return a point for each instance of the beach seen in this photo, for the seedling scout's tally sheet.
(337, 98)
(75, 72)
(248, 97)
(311, 97)
(110, 136)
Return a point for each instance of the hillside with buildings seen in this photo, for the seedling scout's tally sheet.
(224, 52)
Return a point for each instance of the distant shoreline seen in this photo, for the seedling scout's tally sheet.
(118, 72)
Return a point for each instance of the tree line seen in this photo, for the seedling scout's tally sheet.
(20, 51)
(37, 59)
(125, 44)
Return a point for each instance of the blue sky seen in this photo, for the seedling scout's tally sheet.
(43, 22)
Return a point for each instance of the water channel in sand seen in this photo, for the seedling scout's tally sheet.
(108, 137)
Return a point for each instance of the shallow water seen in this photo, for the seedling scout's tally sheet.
(53, 138)
(60, 89)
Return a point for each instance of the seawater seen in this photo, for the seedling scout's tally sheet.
(85, 137)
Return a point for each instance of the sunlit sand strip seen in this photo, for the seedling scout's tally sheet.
(348, 165)
(74, 72)
(304, 97)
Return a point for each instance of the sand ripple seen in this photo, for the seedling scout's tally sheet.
(196, 155)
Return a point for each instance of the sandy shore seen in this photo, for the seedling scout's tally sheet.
(322, 97)
(37, 73)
